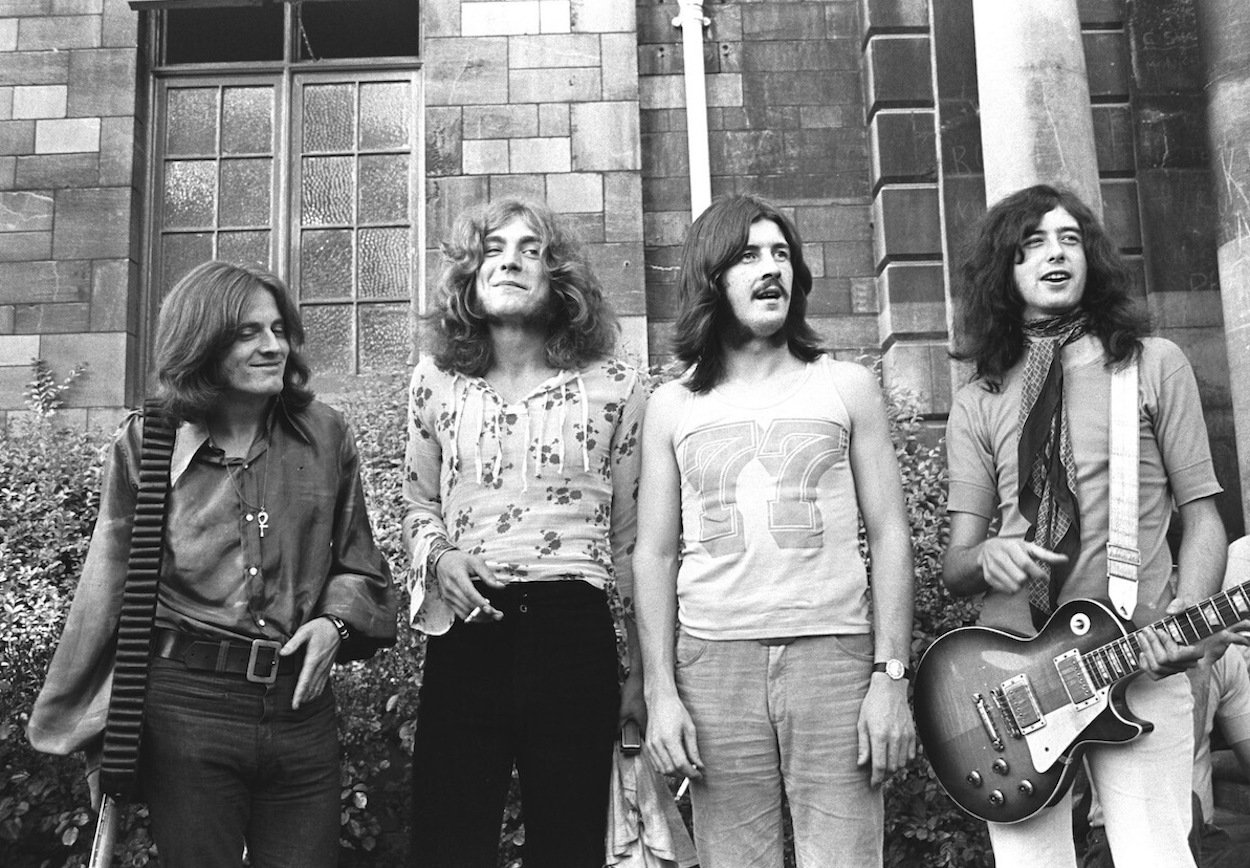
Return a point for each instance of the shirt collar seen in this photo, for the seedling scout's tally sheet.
(191, 437)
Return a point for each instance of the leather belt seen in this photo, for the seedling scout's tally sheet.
(257, 661)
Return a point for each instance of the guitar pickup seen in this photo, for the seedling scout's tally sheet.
(1075, 679)
(1022, 703)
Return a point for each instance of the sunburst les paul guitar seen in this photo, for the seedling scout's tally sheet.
(1004, 718)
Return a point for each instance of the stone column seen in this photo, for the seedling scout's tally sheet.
(1225, 29)
(1036, 125)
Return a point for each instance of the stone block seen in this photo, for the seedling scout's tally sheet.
(440, 18)
(8, 34)
(1166, 47)
(466, 71)
(8, 171)
(1171, 131)
(834, 222)
(105, 354)
(77, 7)
(444, 137)
(894, 15)
(596, 16)
(114, 296)
(897, 72)
(539, 155)
(1107, 64)
(620, 269)
(1179, 230)
(828, 54)
(572, 84)
(1186, 310)
(661, 92)
(903, 145)
(42, 319)
(1119, 213)
(36, 282)
(120, 25)
(726, 22)
(50, 171)
(34, 67)
(102, 83)
(39, 101)
(620, 66)
(905, 222)
(489, 121)
(804, 87)
(94, 223)
(68, 136)
(659, 60)
(586, 226)
(58, 32)
(665, 194)
(1101, 13)
(6, 103)
(22, 246)
(1113, 139)
(550, 51)
(18, 350)
(792, 22)
(655, 25)
(848, 259)
(499, 18)
(864, 295)
(575, 192)
(12, 387)
(665, 228)
(622, 206)
(605, 137)
(553, 120)
(664, 156)
(25, 211)
(805, 187)
(913, 283)
(485, 156)
(661, 120)
(746, 152)
(17, 137)
(831, 296)
(857, 333)
(914, 318)
(723, 89)
(921, 367)
(660, 343)
(518, 187)
(117, 152)
(555, 16)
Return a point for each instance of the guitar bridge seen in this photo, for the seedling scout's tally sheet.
(1022, 704)
(987, 722)
(1001, 701)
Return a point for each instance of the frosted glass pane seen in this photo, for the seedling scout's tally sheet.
(190, 193)
(325, 264)
(385, 339)
(384, 189)
(245, 192)
(191, 121)
(244, 248)
(328, 338)
(181, 253)
(329, 113)
(327, 191)
(385, 109)
(247, 120)
(384, 264)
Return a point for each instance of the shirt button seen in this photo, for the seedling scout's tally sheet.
(247, 517)
(260, 622)
(252, 571)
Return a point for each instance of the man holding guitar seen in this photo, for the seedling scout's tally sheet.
(1047, 318)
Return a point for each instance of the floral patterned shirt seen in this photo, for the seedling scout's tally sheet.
(544, 489)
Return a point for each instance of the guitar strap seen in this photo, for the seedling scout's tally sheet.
(1123, 555)
(124, 723)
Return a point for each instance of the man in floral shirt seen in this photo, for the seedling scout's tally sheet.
(521, 485)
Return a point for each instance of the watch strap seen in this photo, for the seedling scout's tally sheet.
(884, 666)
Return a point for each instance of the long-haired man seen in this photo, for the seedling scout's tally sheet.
(270, 574)
(521, 485)
(1047, 316)
(757, 465)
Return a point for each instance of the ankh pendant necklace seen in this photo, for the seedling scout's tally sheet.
(262, 514)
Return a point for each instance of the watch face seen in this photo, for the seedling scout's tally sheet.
(894, 669)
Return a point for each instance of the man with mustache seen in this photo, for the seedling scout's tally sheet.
(757, 464)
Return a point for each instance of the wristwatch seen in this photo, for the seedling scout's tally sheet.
(893, 668)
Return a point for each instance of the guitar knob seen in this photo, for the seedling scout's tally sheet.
(997, 798)
(1000, 766)
(974, 778)
(1026, 787)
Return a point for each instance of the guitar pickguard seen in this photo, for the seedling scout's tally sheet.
(1048, 743)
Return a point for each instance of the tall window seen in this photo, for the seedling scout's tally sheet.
(286, 136)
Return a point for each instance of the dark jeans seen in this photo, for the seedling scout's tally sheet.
(538, 688)
(226, 762)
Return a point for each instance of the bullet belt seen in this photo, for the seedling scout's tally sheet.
(257, 661)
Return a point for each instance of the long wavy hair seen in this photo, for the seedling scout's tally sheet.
(581, 327)
(717, 240)
(990, 330)
(198, 323)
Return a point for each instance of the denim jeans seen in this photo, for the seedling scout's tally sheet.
(225, 762)
(538, 688)
(769, 716)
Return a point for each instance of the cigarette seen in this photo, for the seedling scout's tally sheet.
(477, 610)
(681, 791)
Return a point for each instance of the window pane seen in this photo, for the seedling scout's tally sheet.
(181, 253)
(328, 338)
(384, 337)
(244, 248)
(329, 117)
(352, 28)
(328, 189)
(384, 264)
(190, 193)
(224, 34)
(384, 189)
(385, 110)
(191, 122)
(247, 120)
(325, 259)
(245, 186)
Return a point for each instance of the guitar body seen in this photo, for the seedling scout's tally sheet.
(1003, 718)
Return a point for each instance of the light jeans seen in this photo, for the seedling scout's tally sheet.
(1143, 787)
(768, 716)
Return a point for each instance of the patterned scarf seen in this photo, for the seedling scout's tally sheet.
(1047, 470)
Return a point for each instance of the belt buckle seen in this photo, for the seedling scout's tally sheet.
(272, 675)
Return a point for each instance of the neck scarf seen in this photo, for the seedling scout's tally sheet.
(1047, 470)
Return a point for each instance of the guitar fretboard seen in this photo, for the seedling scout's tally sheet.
(1117, 660)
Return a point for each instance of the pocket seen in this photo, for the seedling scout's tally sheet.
(857, 646)
(689, 649)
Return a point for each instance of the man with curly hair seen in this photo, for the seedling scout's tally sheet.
(788, 672)
(1047, 316)
(521, 488)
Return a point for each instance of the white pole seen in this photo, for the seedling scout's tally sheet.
(691, 21)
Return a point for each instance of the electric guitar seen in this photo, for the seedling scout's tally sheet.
(1004, 718)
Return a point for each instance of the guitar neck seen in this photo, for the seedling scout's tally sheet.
(1119, 659)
